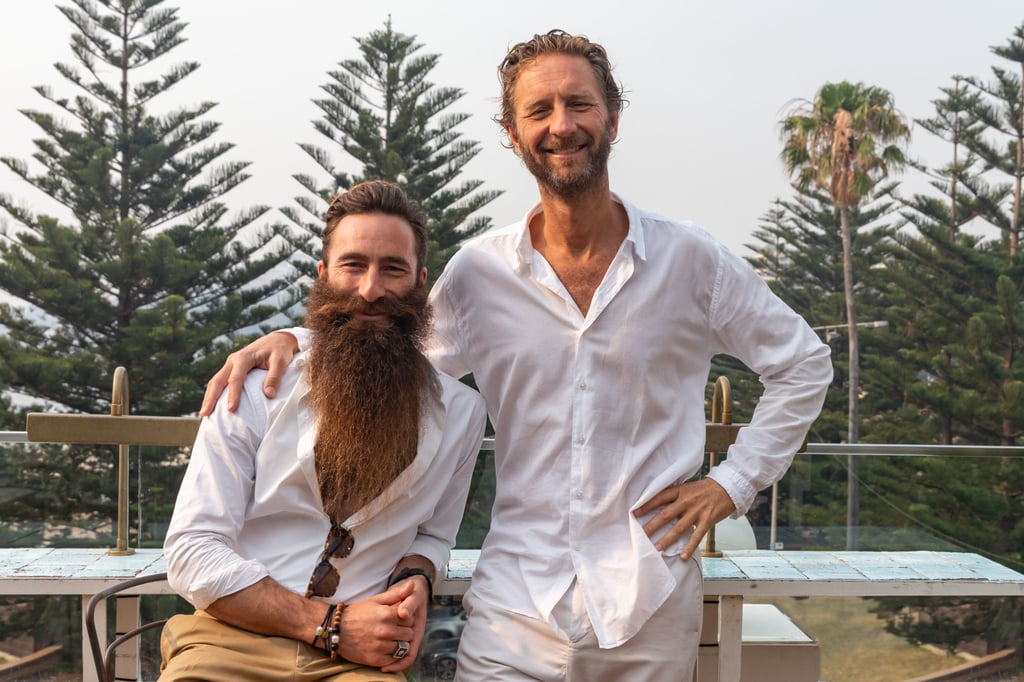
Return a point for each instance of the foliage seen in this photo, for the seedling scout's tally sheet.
(381, 110)
(948, 369)
(999, 109)
(148, 273)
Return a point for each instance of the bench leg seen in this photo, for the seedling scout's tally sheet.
(127, 661)
(88, 665)
(707, 654)
(730, 638)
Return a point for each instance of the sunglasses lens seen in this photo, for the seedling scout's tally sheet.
(340, 544)
(325, 578)
(324, 582)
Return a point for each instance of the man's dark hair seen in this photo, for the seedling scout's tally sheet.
(555, 41)
(378, 196)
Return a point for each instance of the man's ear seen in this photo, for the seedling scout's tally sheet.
(512, 138)
(423, 277)
(320, 268)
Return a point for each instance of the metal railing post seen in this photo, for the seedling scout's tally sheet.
(119, 407)
(721, 413)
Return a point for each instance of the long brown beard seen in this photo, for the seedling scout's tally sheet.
(367, 385)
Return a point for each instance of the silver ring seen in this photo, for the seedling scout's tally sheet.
(401, 649)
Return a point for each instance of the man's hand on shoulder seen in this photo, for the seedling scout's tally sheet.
(273, 353)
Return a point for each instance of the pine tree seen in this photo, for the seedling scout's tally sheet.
(148, 273)
(1000, 109)
(958, 315)
(962, 315)
(144, 269)
(381, 110)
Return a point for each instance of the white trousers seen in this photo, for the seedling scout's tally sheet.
(498, 645)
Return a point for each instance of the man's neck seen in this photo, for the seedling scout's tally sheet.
(579, 227)
(579, 237)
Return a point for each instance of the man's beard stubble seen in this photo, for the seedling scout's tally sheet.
(368, 382)
(567, 187)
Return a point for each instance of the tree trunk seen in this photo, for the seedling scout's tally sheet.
(853, 421)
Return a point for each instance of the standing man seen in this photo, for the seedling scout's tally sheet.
(310, 526)
(589, 327)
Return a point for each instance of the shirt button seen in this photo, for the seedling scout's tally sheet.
(576, 547)
(583, 385)
(579, 494)
(580, 440)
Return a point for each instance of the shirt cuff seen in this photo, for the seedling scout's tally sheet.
(433, 550)
(739, 489)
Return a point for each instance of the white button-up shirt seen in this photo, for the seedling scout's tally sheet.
(250, 506)
(595, 414)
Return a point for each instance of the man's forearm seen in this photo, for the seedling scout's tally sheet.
(415, 561)
(268, 608)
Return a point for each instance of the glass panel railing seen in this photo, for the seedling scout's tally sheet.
(938, 498)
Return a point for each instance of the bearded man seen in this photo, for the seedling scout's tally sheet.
(309, 526)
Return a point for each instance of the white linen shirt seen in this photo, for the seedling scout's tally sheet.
(595, 414)
(250, 507)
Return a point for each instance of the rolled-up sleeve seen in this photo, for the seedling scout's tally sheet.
(202, 564)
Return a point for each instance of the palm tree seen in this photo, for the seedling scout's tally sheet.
(846, 140)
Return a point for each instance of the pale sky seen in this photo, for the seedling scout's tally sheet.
(707, 83)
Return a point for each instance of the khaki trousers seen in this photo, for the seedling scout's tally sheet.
(501, 646)
(201, 648)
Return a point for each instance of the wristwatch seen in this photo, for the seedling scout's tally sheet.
(410, 572)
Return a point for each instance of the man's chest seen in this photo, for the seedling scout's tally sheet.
(581, 279)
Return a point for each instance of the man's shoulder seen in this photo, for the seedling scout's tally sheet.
(291, 379)
(453, 390)
(670, 237)
(495, 241)
(657, 225)
(460, 398)
(485, 255)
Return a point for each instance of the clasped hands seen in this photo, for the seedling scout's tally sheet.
(371, 629)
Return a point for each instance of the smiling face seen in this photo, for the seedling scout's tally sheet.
(372, 255)
(562, 128)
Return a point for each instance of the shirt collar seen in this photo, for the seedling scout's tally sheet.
(524, 251)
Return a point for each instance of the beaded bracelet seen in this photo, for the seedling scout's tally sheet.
(322, 628)
(336, 630)
(329, 631)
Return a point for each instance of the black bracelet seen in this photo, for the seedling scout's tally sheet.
(410, 572)
(324, 629)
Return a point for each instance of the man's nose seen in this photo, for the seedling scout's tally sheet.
(371, 288)
(563, 122)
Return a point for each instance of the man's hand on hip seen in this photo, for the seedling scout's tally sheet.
(694, 506)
